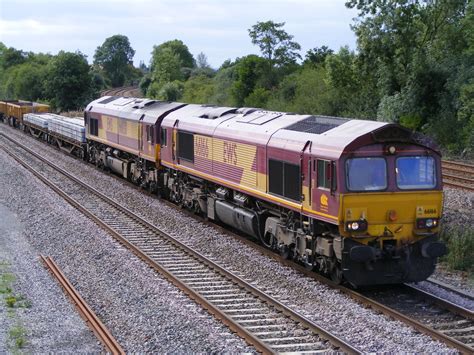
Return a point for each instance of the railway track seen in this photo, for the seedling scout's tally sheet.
(444, 319)
(122, 91)
(261, 320)
(89, 316)
(458, 175)
(458, 323)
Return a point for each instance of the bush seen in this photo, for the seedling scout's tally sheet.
(460, 245)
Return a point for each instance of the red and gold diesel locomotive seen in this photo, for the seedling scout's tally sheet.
(358, 200)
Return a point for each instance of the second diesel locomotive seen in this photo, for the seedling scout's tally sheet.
(358, 200)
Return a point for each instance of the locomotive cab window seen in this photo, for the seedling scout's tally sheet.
(366, 174)
(150, 130)
(93, 126)
(284, 179)
(416, 172)
(186, 146)
(163, 137)
(326, 174)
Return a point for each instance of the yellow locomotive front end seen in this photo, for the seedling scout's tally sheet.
(390, 214)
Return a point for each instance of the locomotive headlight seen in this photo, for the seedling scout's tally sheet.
(356, 226)
(427, 223)
(392, 149)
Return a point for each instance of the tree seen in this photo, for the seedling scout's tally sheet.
(166, 66)
(414, 57)
(251, 73)
(115, 57)
(199, 89)
(275, 43)
(317, 55)
(178, 48)
(201, 61)
(202, 67)
(69, 83)
(171, 63)
(11, 56)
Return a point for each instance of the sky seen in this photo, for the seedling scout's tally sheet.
(219, 29)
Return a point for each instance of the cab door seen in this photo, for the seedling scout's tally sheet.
(306, 176)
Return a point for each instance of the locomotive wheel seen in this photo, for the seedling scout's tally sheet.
(288, 252)
(285, 252)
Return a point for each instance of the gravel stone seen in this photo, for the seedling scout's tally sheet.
(49, 319)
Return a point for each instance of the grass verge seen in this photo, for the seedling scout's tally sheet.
(17, 333)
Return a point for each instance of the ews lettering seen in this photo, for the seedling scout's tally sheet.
(230, 153)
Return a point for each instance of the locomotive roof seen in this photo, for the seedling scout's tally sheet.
(328, 135)
(144, 110)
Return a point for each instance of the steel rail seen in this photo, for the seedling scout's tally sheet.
(240, 330)
(445, 304)
(458, 185)
(460, 178)
(455, 163)
(85, 311)
(449, 288)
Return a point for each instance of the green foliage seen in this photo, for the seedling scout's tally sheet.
(276, 45)
(166, 66)
(466, 115)
(198, 90)
(305, 91)
(251, 72)
(115, 57)
(25, 81)
(171, 64)
(178, 48)
(416, 60)
(69, 83)
(317, 55)
(145, 84)
(257, 98)
(223, 83)
(461, 249)
(168, 91)
(10, 300)
(11, 56)
(17, 336)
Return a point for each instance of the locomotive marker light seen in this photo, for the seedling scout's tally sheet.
(391, 149)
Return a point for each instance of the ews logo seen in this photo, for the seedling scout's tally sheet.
(230, 153)
(201, 146)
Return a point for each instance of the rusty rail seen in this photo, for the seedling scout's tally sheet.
(86, 312)
(461, 174)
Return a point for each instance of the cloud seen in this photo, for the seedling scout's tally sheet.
(218, 28)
